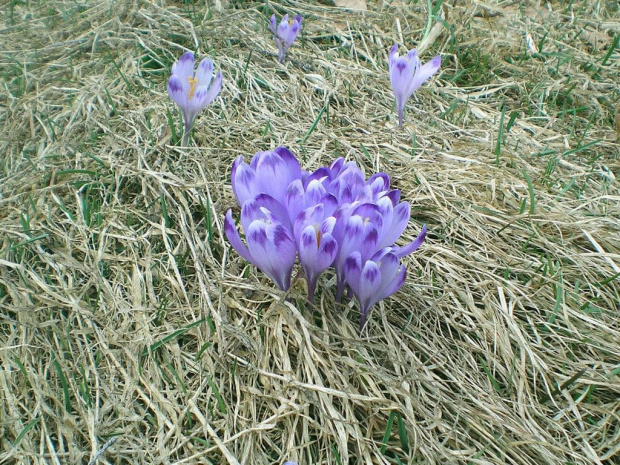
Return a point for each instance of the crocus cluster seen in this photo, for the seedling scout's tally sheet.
(284, 33)
(192, 92)
(407, 74)
(332, 217)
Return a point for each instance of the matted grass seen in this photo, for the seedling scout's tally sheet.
(125, 314)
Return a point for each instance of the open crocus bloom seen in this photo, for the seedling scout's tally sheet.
(191, 91)
(284, 33)
(407, 74)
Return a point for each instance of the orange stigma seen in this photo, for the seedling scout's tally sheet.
(192, 86)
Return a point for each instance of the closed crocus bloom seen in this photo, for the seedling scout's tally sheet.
(284, 33)
(270, 245)
(374, 279)
(315, 243)
(269, 172)
(355, 230)
(299, 197)
(407, 74)
(378, 185)
(192, 92)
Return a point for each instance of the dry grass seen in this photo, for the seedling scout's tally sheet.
(125, 314)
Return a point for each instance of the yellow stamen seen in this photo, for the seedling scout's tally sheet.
(318, 239)
(192, 86)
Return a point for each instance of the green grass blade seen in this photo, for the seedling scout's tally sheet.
(63, 383)
(530, 188)
(31, 424)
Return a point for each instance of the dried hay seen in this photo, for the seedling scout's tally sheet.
(125, 314)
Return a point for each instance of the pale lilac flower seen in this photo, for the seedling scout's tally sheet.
(192, 92)
(269, 172)
(317, 247)
(374, 279)
(300, 196)
(284, 33)
(369, 227)
(355, 231)
(290, 463)
(270, 245)
(407, 74)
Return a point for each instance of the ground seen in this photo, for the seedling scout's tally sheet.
(126, 315)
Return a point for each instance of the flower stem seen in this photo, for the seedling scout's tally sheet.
(187, 129)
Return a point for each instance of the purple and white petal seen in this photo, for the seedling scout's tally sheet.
(273, 251)
(412, 246)
(244, 183)
(184, 67)
(235, 239)
(177, 91)
(204, 72)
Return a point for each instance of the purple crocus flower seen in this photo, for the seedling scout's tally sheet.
(191, 91)
(407, 74)
(355, 230)
(374, 279)
(317, 247)
(270, 248)
(300, 196)
(369, 227)
(269, 172)
(284, 33)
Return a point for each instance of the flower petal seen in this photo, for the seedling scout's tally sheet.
(316, 252)
(379, 182)
(235, 239)
(244, 183)
(204, 72)
(273, 250)
(424, 73)
(370, 283)
(214, 90)
(273, 25)
(295, 199)
(178, 92)
(309, 217)
(393, 55)
(184, 68)
(353, 270)
(279, 211)
(314, 192)
(390, 285)
(275, 171)
(412, 246)
(395, 221)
